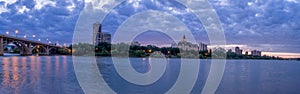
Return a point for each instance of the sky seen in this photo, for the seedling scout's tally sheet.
(266, 25)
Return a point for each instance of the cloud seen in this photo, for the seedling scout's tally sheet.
(41, 3)
(127, 9)
(4, 4)
(3, 9)
(71, 5)
(9, 1)
(23, 9)
(102, 5)
(293, 1)
(249, 22)
(259, 21)
(246, 22)
(54, 20)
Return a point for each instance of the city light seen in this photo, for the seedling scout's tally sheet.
(70, 51)
(150, 51)
(39, 40)
(25, 36)
(7, 33)
(33, 36)
(16, 32)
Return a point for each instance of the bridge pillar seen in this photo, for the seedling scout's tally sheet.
(1, 46)
(48, 50)
(26, 50)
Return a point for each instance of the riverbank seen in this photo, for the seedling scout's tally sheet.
(165, 56)
(195, 58)
(56, 74)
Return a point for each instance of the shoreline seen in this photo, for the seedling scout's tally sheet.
(297, 59)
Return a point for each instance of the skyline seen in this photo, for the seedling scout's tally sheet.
(269, 26)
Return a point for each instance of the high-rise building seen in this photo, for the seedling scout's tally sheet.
(106, 37)
(256, 53)
(238, 51)
(96, 32)
(202, 47)
(99, 36)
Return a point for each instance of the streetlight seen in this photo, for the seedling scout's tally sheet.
(150, 51)
(25, 36)
(17, 31)
(39, 40)
(7, 33)
(33, 37)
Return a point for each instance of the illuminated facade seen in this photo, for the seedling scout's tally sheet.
(184, 45)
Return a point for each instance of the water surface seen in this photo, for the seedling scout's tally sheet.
(55, 75)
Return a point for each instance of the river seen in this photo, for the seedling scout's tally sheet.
(56, 75)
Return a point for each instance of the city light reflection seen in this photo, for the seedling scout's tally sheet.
(6, 77)
(20, 74)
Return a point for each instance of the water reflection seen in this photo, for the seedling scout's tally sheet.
(240, 77)
(37, 75)
(5, 73)
(55, 75)
(260, 77)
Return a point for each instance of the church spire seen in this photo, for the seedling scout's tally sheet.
(184, 38)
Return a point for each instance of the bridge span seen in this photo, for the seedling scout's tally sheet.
(26, 46)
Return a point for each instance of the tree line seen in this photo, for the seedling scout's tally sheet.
(125, 50)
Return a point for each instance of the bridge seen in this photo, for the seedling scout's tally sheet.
(26, 46)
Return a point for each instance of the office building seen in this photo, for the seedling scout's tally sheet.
(238, 51)
(256, 53)
(105, 37)
(96, 33)
(99, 36)
(202, 47)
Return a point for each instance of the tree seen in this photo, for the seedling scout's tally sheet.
(219, 53)
(83, 49)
